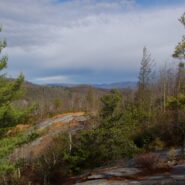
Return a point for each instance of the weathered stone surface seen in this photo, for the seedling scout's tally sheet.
(109, 177)
(130, 182)
(159, 182)
(106, 182)
(95, 177)
(49, 129)
(178, 177)
(94, 182)
(178, 170)
(115, 172)
(121, 172)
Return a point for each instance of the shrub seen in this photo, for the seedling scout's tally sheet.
(51, 167)
(100, 146)
(148, 161)
(172, 154)
(157, 144)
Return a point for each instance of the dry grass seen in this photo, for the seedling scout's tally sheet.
(18, 129)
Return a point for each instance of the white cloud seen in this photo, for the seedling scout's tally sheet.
(52, 79)
(86, 34)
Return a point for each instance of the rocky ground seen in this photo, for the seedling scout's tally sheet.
(120, 174)
(134, 176)
(47, 130)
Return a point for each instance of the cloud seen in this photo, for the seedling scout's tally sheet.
(53, 79)
(91, 39)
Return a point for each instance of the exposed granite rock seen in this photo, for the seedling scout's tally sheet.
(129, 182)
(49, 129)
(131, 176)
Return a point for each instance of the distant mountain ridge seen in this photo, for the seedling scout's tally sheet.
(117, 85)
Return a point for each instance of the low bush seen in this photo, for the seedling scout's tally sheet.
(172, 154)
(50, 168)
(148, 161)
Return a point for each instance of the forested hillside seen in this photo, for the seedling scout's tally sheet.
(52, 100)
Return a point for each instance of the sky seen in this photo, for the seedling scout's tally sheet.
(87, 41)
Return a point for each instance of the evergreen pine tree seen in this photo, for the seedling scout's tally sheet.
(10, 90)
